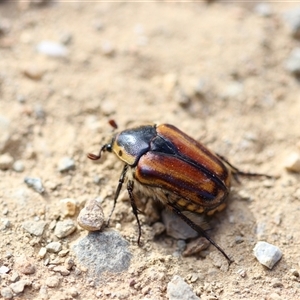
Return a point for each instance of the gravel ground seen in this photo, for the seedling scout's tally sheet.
(225, 73)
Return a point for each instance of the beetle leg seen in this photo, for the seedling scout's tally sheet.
(198, 229)
(118, 190)
(236, 172)
(130, 185)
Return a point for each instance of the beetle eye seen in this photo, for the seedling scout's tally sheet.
(108, 148)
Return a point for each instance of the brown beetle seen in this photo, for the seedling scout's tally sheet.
(165, 163)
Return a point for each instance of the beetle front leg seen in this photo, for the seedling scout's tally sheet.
(198, 229)
(130, 185)
(117, 193)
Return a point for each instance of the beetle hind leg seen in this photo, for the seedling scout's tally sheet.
(237, 172)
(197, 228)
(135, 210)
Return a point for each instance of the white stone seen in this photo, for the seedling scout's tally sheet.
(267, 254)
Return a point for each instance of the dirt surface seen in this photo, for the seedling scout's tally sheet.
(216, 71)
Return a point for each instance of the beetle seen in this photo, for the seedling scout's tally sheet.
(163, 162)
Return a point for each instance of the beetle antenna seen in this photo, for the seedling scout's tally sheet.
(113, 124)
(103, 149)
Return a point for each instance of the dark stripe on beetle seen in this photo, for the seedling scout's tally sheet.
(151, 175)
(166, 147)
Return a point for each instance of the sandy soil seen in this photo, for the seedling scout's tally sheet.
(215, 71)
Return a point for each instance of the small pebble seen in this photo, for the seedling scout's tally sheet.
(53, 281)
(62, 270)
(294, 272)
(233, 90)
(293, 62)
(33, 72)
(267, 254)
(292, 162)
(91, 217)
(263, 9)
(7, 293)
(34, 227)
(274, 296)
(18, 287)
(6, 161)
(35, 183)
(276, 283)
(66, 38)
(63, 253)
(73, 292)
(18, 166)
(54, 247)
(14, 277)
(52, 49)
(68, 207)
(4, 269)
(178, 289)
(107, 49)
(42, 253)
(69, 263)
(5, 132)
(292, 18)
(64, 228)
(169, 82)
(43, 293)
(5, 224)
(66, 164)
(242, 273)
(24, 265)
(196, 246)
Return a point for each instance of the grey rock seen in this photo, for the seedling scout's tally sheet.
(35, 183)
(66, 164)
(176, 227)
(292, 18)
(267, 254)
(7, 293)
(52, 49)
(34, 227)
(103, 251)
(178, 289)
(18, 287)
(64, 228)
(54, 247)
